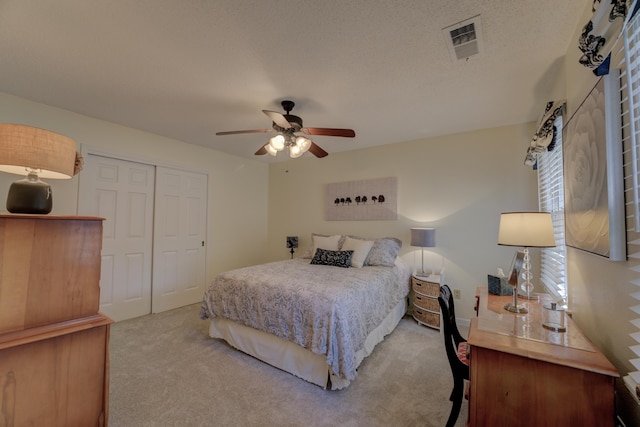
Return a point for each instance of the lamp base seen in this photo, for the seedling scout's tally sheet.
(516, 308)
(555, 327)
(534, 297)
(30, 196)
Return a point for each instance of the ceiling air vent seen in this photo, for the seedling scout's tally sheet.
(464, 39)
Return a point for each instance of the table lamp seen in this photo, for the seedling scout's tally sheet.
(35, 153)
(526, 229)
(424, 238)
(292, 243)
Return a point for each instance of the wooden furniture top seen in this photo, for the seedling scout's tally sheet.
(31, 216)
(523, 334)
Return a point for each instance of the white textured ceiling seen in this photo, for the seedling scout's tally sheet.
(186, 69)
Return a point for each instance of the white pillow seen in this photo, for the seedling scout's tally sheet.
(310, 252)
(330, 243)
(360, 250)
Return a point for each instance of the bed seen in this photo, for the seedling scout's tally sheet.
(315, 320)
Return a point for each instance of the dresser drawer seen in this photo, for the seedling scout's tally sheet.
(426, 303)
(426, 288)
(426, 317)
(50, 270)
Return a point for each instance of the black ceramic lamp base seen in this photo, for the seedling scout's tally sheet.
(30, 196)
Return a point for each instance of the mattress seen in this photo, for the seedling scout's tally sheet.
(294, 359)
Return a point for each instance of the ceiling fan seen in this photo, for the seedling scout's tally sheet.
(287, 125)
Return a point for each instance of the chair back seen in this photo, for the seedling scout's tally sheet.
(452, 340)
(452, 337)
(447, 296)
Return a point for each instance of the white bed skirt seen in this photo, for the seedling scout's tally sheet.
(292, 358)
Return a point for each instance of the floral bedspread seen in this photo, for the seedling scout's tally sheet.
(327, 310)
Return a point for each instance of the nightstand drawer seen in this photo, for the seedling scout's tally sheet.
(426, 288)
(426, 317)
(426, 303)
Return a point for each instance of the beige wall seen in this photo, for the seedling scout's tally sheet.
(458, 184)
(237, 211)
(600, 290)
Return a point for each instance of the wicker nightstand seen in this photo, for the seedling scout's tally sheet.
(424, 302)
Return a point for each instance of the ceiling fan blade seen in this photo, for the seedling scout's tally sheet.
(234, 132)
(347, 133)
(317, 151)
(278, 119)
(262, 150)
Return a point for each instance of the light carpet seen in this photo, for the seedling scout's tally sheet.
(166, 371)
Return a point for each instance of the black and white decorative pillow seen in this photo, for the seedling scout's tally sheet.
(333, 258)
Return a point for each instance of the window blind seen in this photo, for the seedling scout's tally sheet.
(629, 55)
(553, 272)
(626, 57)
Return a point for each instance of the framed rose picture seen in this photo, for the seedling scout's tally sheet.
(593, 176)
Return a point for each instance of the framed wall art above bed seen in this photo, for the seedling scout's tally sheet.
(371, 199)
(593, 176)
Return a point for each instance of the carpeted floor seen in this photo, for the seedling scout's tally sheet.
(166, 371)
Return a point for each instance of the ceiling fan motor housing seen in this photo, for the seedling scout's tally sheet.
(295, 121)
(288, 105)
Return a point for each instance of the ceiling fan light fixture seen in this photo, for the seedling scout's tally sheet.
(286, 126)
(303, 143)
(295, 151)
(277, 143)
(270, 149)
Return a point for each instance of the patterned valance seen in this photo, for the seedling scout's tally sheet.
(600, 33)
(546, 132)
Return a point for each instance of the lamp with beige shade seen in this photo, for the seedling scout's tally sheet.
(36, 153)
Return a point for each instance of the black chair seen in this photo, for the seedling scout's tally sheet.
(455, 346)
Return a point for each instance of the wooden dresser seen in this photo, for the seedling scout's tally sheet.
(424, 301)
(54, 344)
(524, 374)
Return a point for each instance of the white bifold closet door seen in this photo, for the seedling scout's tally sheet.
(122, 193)
(179, 242)
(153, 254)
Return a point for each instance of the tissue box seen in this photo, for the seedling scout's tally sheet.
(499, 286)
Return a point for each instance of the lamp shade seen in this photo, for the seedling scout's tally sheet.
(530, 229)
(423, 237)
(25, 147)
(292, 242)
